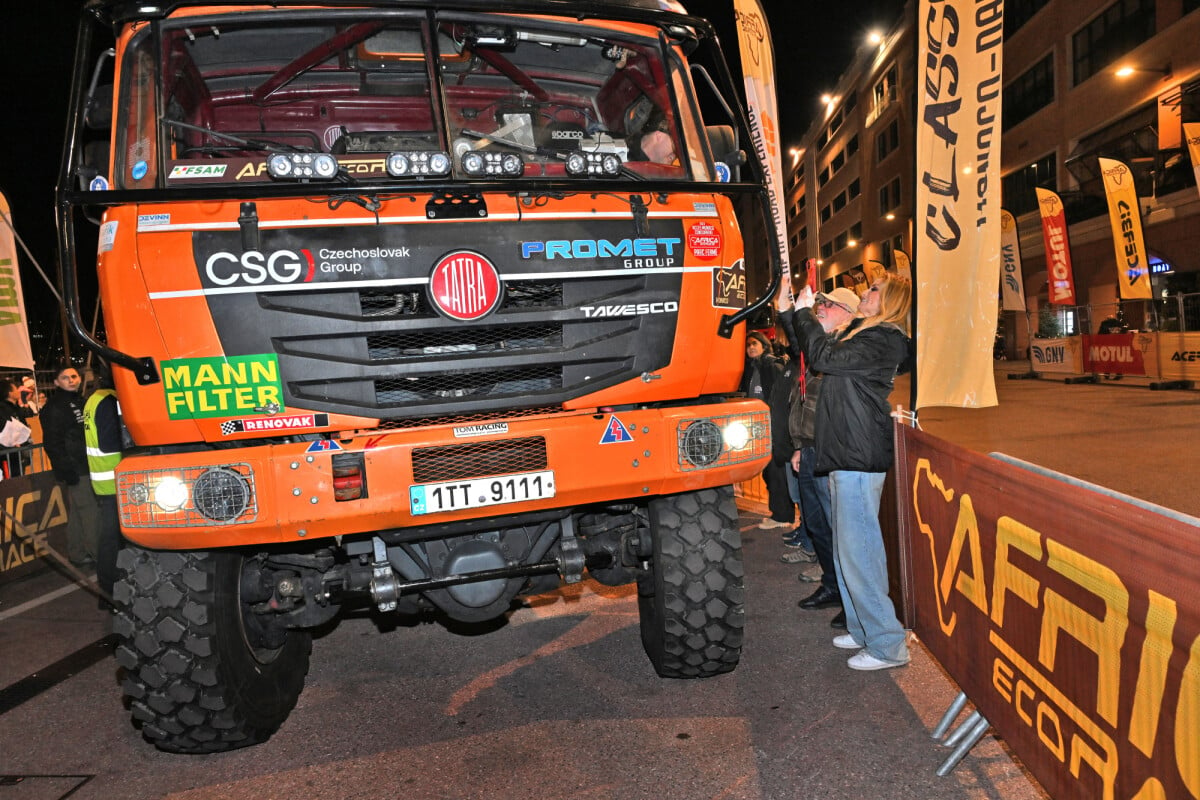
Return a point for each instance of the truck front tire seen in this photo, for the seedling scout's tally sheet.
(692, 600)
(203, 673)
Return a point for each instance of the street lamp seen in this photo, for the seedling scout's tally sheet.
(1127, 70)
(875, 37)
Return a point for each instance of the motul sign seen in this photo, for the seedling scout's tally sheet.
(464, 286)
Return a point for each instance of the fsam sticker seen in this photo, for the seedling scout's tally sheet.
(108, 236)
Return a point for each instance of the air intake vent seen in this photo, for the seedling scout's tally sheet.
(478, 459)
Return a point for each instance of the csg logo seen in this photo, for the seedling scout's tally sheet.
(253, 267)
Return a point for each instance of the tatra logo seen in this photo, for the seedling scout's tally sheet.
(465, 286)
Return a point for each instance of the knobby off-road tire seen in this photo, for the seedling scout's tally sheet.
(692, 602)
(200, 674)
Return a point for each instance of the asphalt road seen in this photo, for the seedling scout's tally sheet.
(558, 701)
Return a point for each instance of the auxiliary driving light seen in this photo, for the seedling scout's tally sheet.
(478, 164)
(171, 494)
(302, 166)
(604, 164)
(221, 494)
(724, 440)
(419, 163)
(737, 435)
(702, 443)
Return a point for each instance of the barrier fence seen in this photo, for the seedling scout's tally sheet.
(33, 512)
(1068, 614)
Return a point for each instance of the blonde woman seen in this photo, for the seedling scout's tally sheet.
(854, 447)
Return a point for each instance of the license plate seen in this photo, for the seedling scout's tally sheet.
(432, 498)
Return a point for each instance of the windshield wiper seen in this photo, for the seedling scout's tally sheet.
(247, 144)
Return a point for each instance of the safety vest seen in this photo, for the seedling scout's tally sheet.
(101, 464)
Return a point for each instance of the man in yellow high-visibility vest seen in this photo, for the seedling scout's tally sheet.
(102, 433)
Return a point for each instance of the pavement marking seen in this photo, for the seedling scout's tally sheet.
(38, 601)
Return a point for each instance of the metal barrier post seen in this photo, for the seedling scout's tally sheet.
(956, 707)
(972, 735)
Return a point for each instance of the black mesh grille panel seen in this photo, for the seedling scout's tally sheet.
(440, 343)
(478, 459)
(452, 385)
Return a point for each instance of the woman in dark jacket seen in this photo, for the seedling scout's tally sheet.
(763, 378)
(854, 445)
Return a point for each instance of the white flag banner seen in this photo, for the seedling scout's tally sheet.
(957, 226)
(1012, 284)
(758, 68)
(14, 328)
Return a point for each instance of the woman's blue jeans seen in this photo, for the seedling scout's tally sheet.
(861, 563)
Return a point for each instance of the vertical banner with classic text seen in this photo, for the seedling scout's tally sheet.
(1191, 134)
(957, 226)
(758, 67)
(1059, 274)
(14, 328)
(1125, 216)
(1012, 287)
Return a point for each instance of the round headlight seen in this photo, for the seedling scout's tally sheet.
(397, 165)
(702, 443)
(473, 163)
(439, 163)
(221, 494)
(138, 493)
(170, 494)
(324, 165)
(512, 165)
(737, 435)
(576, 164)
(611, 164)
(279, 165)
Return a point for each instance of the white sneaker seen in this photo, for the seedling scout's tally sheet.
(846, 642)
(768, 523)
(865, 662)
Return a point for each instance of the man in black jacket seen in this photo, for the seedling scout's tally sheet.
(62, 435)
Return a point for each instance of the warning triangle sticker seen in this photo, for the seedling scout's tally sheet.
(615, 432)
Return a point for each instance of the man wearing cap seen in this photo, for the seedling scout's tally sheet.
(834, 310)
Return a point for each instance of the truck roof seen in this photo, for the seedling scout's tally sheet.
(126, 10)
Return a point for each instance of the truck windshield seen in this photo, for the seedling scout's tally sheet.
(211, 99)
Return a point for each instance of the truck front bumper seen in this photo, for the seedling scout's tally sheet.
(438, 475)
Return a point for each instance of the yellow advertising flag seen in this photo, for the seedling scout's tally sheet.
(1133, 263)
(956, 234)
(1191, 134)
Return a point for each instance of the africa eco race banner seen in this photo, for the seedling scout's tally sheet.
(1064, 612)
(758, 68)
(1125, 216)
(34, 519)
(1191, 134)
(1059, 274)
(14, 329)
(1012, 288)
(957, 243)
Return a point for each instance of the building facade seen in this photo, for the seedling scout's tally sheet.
(1066, 103)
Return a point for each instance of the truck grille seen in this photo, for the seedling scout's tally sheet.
(478, 459)
(386, 354)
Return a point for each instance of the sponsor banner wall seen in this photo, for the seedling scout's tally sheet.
(1060, 275)
(1057, 355)
(1064, 613)
(39, 503)
(14, 328)
(1179, 356)
(957, 240)
(1012, 285)
(1191, 133)
(1125, 216)
(758, 66)
(1118, 353)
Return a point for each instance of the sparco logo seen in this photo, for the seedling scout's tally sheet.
(253, 267)
(566, 134)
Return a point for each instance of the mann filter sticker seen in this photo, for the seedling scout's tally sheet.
(198, 388)
(486, 429)
(108, 235)
(704, 240)
(729, 285)
(615, 432)
(276, 424)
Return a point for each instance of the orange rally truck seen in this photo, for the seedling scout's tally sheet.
(422, 306)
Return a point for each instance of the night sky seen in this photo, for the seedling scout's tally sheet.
(814, 42)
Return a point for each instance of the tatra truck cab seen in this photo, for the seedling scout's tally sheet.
(421, 306)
